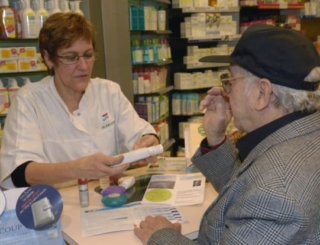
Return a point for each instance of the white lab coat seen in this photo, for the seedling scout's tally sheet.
(40, 128)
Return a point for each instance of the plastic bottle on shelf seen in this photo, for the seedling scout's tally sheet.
(34, 5)
(7, 21)
(140, 80)
(318, 8)
(153, 78)
(77, 7)
(41, 15)
(16, 9)
(13, 88)
(47, 5)
(66, 8)
(148, 56)
(55, 8)
(147, 80)
(176, 104)
(163, 50)
(161, 19)
(28, 20)
(155, 47)
(168, 49)
(135, 80)
(136, 52)
(71, 5)
(4, 99)
(150, 50)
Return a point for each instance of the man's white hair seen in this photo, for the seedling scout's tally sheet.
(291, 99)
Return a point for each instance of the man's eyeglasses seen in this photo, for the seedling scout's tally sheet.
(74, 58)
(226, 81)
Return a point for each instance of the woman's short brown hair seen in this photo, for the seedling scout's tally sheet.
(61, 30)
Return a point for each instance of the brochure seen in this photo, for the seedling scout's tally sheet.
(175, 190)
(124, 218)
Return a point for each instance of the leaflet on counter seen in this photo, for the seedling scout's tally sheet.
(105, 220)
(175, 190)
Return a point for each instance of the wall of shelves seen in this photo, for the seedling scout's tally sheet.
(18, 66)
(184, 63)
(152, 85)
(181, 45)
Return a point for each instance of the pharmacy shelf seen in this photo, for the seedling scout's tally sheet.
(160, 1)
(164, 1)
(21, 73)
(206, 65)
(280, 6)
(159, 63)
(192, 89)
(162, 63)
(217, 38)
(164, 32)
(158, 91)
(210, 9)
(11, 40)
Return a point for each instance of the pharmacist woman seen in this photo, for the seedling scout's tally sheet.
(68, 125)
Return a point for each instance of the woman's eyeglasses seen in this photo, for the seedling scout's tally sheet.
(226, 81)
(74, 58)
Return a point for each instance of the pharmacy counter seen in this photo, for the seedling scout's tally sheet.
(71, 218)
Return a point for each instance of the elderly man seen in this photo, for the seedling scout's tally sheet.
(269, 184)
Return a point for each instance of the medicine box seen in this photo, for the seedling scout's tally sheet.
(27, 65)
(8, 66)
(27, 52)
(10, 53)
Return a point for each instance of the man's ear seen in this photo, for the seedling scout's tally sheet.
(265, 94)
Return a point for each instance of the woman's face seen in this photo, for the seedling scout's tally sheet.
(72, 73)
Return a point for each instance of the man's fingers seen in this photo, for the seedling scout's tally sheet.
(177, 227)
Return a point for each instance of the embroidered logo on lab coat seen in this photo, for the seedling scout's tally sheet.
(105, 121)
(105, 116)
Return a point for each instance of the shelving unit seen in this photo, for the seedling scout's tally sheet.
(156, 97)
(277, 12)
(182, 64)
(179, 44)
(33, 75)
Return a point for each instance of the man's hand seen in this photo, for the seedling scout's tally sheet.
(217, 115)
(152, 224)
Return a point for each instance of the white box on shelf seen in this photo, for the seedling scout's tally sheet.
(194, 25)
(188, 29)
(192, 50)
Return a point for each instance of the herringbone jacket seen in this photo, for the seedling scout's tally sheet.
(273, 197)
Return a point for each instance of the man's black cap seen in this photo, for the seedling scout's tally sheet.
(282, 55)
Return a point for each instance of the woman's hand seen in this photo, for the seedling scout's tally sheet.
(146, 141)
(97, 166)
